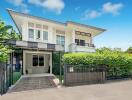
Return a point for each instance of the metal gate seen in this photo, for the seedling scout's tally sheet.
(83, 74)
(5, 77)
(57, 68)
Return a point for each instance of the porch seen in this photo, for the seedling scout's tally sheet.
(37, 62)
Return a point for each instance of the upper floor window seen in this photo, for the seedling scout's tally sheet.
(60, 40)
(30, 33)
(80, 42)
(45, 35)
(45, 27)
(38, 33)
(30, 24)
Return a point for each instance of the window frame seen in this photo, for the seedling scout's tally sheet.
(30, 33)
(59, 40)
(78, 42)
(38, 55)
(38, 37)
(45, 39)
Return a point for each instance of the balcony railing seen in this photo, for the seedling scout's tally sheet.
(86, 44)
(36, 45)
(87, 47)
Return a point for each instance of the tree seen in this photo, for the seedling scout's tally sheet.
(129, 50)
(6, 33)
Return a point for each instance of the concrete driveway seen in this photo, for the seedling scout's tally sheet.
(109, 91)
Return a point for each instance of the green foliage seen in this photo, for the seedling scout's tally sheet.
(117, 63)
(56, 58)
(6, 33)
(129, 50)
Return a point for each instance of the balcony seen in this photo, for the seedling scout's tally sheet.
(36, 45)
(81, 48)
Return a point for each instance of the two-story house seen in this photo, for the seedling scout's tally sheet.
(41, 37)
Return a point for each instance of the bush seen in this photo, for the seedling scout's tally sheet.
(117, 63)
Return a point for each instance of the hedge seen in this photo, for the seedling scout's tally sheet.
(117, 64)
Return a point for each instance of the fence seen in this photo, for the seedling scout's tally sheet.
(5, 77)
(83, 74)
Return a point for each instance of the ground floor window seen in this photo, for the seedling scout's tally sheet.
(38, 60)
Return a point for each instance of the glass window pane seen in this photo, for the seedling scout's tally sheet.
(77, 41)
(45, 35)
(38, 34)
(82, 42)
(35, 60)
(31, 34)
(41, 60)
(60, 40)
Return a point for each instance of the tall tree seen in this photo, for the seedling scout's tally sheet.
(6, 33)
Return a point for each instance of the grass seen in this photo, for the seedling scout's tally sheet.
(16, 76)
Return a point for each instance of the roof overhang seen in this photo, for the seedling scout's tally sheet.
(94, 30)
(19, 18)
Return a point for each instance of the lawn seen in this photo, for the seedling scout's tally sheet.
(16, 76)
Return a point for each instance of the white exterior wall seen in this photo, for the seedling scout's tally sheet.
(69, 28)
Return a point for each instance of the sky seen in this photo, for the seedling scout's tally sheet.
(113, 15)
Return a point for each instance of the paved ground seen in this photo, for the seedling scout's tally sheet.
(110, 91)
(33, 82)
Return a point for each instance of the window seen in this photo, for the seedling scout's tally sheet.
(37, 34)
(77, 41)
(41, 60)
(35, 60)
(30, 33)
(60, 40)
(45, 35)
(30, 24)
(38, 60)
(80, 42)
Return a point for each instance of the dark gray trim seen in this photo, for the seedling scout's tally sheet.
(32, 45)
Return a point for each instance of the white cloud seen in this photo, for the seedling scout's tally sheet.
(91, 14)
(105, 9)
(24, 8)
(112, 8)
(15, 2)
(52, 5)
(19, 3)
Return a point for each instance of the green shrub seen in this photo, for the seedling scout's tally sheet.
(117, 63)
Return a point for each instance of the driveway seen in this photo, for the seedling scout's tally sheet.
(109, 91)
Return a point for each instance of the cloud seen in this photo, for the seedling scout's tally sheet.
(112, 8)
(52, 5)
(107, 8)
(91, 14)
(24, 8)
(15, 2)
(20, 3)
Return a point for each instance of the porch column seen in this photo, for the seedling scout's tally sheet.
(51, 63)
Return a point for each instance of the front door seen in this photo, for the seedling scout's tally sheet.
(38, 63)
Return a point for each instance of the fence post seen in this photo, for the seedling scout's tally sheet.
(65, 68)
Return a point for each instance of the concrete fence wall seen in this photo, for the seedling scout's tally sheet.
(82, 75)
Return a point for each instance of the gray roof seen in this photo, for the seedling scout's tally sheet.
(52, 21)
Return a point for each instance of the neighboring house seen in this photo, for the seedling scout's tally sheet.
(41, 37)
